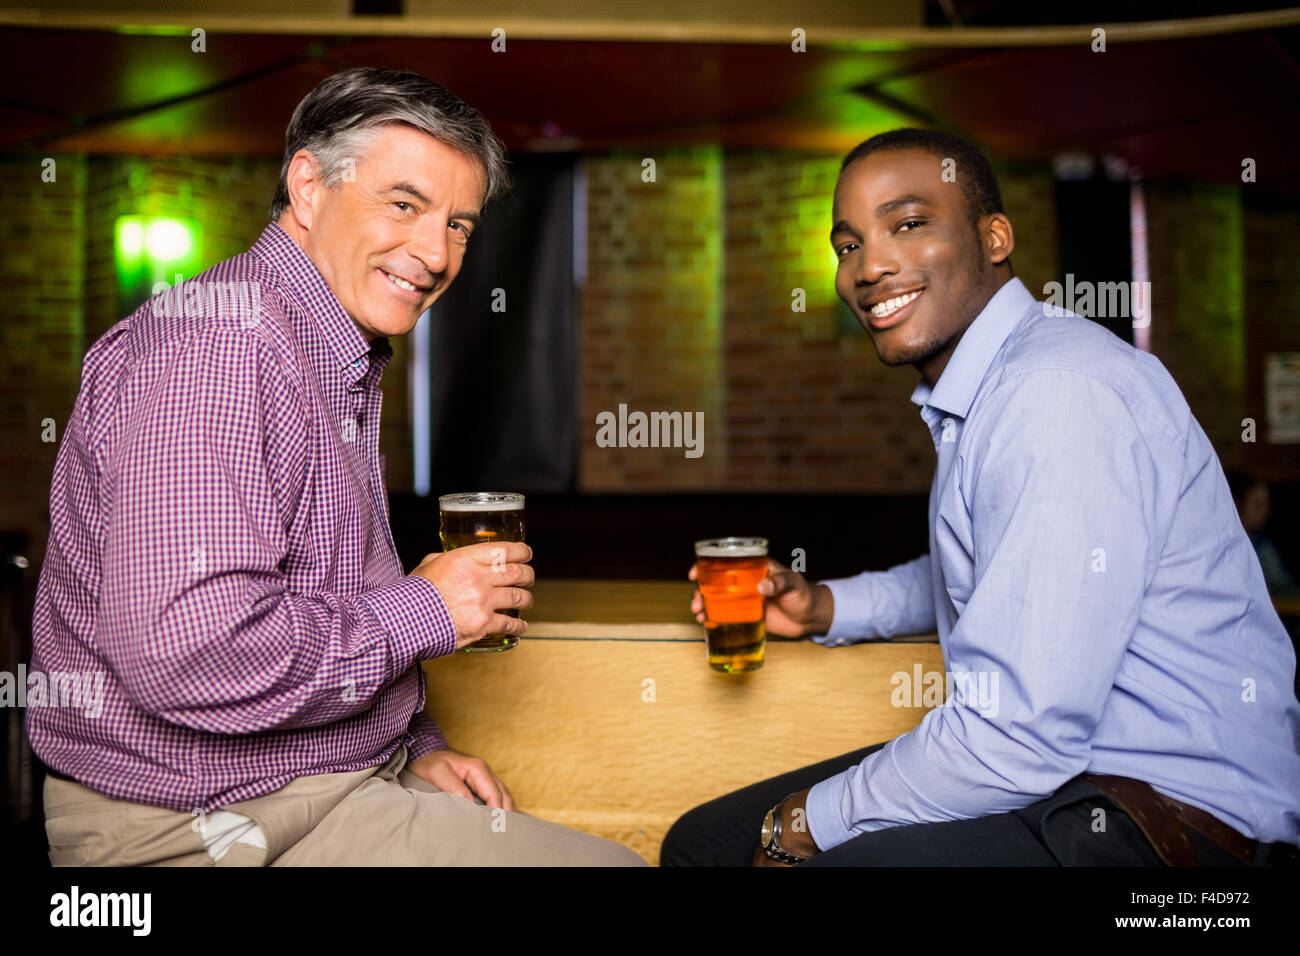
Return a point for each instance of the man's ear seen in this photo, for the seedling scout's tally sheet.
(304, 185)
(998, 237)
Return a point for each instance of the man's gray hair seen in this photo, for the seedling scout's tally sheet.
(336, 121)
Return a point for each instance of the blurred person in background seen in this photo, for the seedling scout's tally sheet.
(1252, 499)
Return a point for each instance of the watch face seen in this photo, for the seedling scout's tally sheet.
(767, 828)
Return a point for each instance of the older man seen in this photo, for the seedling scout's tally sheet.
(220, 555)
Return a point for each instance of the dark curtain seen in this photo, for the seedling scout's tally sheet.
(1095, 241)
(503, 385)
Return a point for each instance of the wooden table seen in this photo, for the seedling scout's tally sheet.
(608, 718)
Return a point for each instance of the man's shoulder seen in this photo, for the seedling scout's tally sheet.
(1067, 355)
(231, 321)
(240, 303)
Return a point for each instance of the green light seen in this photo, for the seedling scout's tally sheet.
(150, 250)
(130, 236)
(168, 240)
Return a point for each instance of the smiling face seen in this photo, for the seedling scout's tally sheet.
(391, 238)
(912, 267)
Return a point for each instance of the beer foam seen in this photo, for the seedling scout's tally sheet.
(487, 501)
(725, 548)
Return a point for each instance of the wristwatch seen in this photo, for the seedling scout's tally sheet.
(770, 838)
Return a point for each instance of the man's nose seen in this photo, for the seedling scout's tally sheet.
(878, 261)
(430, 246)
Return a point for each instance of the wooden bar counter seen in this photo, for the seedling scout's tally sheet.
(607, 717)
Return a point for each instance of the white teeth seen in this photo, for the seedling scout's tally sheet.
(890, 306)
(400, 283)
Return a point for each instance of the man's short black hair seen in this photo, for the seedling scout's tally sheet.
(974, 174)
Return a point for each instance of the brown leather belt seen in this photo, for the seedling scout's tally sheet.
(1163, 820)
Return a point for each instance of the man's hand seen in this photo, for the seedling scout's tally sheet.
(462, 775)
(794, 607)
(795, 837)
(477, 581)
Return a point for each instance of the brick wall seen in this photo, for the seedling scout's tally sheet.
(809, 405)
(1029, 198)
(649, 329)
(42, 331)
(1272, 231)
(1196, 249)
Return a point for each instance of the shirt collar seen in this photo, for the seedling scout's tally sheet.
(356, 358)
(970, 361)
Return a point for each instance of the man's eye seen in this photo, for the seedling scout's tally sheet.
(403, 206)
(463, 230)
(910, 222)
(840, 252)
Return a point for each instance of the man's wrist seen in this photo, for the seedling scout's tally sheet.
(785, 837)
(794, 826)
(823, 610)
(426, 736)
(411, 761)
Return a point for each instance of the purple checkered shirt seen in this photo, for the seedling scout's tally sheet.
(220, 554)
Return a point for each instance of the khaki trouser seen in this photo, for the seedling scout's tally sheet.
(385, 816)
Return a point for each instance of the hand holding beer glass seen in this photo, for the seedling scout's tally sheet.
(478, 518)
(791, 605)
(728, 571)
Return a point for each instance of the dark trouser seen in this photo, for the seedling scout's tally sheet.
(1056, 831)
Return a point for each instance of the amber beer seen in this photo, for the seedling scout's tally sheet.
(477, 517)
(727, 571)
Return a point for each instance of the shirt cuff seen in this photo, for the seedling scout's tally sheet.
(425, 735)
(824, 813)
(853, 613)
(416, 619)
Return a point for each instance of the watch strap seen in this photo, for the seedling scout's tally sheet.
(774, 850)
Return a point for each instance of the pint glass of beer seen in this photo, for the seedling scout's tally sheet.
(727, 571)
(476, 517)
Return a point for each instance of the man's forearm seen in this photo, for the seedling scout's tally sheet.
(332, 656)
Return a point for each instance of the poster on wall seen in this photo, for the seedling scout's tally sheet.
(1282, 397)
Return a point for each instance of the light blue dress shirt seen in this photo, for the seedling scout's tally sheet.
(1094, 593)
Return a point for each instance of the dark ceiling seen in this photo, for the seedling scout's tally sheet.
(1189, 107)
